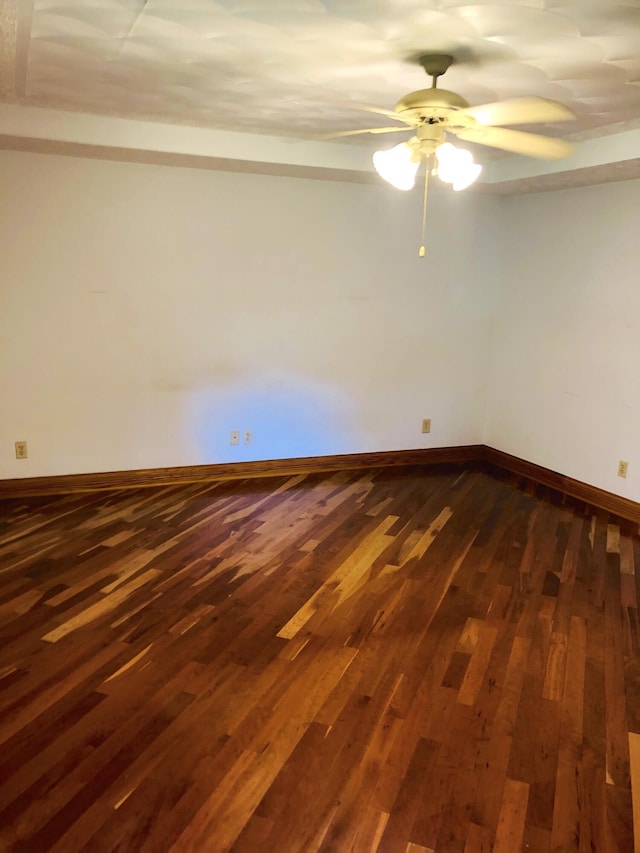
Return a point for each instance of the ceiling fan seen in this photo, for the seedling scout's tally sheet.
(430, 110)
(432, 114)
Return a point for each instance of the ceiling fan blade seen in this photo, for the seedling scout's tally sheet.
(366, 130)
(519, 111)
(389, 113)
(531, 144)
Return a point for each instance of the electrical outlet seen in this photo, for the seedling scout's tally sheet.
(21, 450)
(234, 437)
(622, 468)
(426, 425)
(248, 436)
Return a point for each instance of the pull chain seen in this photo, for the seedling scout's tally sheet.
(424, 205)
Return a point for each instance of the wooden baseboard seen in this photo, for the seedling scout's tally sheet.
(71, 483)
(464, 454)
(591, 495)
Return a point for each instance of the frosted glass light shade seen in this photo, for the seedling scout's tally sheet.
(396, 166)
(456, 166)
(465, 178)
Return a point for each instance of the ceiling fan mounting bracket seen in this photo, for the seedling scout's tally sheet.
(436, 64)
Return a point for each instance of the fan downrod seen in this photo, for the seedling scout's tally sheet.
(436, 64)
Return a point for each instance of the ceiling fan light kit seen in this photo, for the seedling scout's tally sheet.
(456, 166)
(398, 166)
(433, 113)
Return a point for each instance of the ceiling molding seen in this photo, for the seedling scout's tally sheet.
(627, 170)
(68, 132)
(46, 131)
(614, 157)
(246, 86)
(188, 161)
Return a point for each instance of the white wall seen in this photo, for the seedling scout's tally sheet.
(565, 378)
(147, 311)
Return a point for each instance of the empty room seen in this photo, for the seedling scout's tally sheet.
(319, 426)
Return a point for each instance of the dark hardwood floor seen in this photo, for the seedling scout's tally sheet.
(410, 660)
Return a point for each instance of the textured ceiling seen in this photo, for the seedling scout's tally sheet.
(300, 66)
(76, 76)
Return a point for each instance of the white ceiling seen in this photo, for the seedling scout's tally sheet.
(302, 67)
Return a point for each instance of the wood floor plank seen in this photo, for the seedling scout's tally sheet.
(510, 831)
(634, 752)
(430, 660)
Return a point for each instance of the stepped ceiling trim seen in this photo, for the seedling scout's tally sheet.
(277, 69)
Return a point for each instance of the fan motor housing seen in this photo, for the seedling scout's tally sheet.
(430, 103)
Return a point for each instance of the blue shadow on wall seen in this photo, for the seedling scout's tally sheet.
(287, 415)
